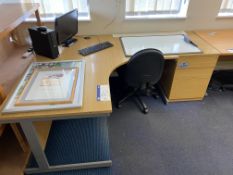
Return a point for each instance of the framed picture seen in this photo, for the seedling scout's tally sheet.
(49, 86)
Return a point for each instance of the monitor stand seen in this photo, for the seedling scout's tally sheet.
(70, 41)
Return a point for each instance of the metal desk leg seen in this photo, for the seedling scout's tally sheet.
(33, 140)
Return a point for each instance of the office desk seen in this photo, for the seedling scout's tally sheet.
(99, 67)
(222, 41)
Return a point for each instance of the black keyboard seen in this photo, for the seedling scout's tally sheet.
(95, 48)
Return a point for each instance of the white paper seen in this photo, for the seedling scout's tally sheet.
(103, 93)
(53, 85)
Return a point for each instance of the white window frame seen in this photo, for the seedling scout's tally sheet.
(181, 15)
(227, 13)
(51, 17)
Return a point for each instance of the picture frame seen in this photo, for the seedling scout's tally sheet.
(49, 81)
(25, 97)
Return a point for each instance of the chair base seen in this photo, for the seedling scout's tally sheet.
(221, 80)
(220, 87)
(143, 106)
(227, 87)
(136, 92)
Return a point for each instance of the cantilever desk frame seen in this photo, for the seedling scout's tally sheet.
(99, 67)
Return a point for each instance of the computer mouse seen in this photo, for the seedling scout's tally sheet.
(87, 37)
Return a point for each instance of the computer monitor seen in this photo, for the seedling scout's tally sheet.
(66, 26)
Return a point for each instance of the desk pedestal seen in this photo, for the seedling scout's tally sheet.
(187, 78)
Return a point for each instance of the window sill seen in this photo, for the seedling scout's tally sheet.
(225, 15)
(153, 17)
(47, 19)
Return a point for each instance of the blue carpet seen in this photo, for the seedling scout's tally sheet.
(78, 141)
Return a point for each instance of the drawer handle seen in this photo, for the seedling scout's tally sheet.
(183, 65)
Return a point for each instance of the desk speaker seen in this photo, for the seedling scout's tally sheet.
(44, 41)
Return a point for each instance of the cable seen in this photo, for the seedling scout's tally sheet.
(118, 5)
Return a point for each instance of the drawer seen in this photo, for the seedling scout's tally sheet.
(190, 83)
(196, 62)
(191, 74)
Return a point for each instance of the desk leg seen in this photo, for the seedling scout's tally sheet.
(78, 166)
(33, 140)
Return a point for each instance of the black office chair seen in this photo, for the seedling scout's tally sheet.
(141, 74)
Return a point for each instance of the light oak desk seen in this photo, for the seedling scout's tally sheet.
(179, 83)
(222, 41)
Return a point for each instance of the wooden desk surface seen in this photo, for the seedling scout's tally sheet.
(222, 40)
(99, 67)
(14, 14)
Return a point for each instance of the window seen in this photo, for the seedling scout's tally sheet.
(156, 9)
(226, 8)
(50, 8)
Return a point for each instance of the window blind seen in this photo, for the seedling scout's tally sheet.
(227, 6)
(54, 7)
(153, 7)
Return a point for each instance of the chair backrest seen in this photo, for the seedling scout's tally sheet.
(144, 67)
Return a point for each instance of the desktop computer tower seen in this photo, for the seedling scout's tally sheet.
(44, 41)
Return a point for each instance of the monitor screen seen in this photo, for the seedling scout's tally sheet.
(66, 26)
